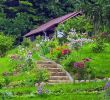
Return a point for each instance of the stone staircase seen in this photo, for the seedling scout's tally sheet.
(57, 74)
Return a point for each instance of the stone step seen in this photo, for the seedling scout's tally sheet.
(54, 69)
(59, 78)
(45, 62)
(59, 81)
(58, 73)
(48, 65)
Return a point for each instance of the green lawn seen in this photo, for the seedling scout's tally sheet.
(4, 64)
(80, 91)
(100, 61)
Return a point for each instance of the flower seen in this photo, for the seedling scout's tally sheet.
(39, 91)
(58, 48)
(29, 54)
(107, 85)
(86, 59)
(75, 64)
(79, 65)
(14, 57)
(65, 51)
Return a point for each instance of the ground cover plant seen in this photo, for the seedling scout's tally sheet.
(59, 91)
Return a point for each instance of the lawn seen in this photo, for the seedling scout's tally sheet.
(100, 62)
(81, 91)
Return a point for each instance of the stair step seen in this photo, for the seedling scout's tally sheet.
(59, 81)
(45, 62)
(58, 74)
(59, 78)
(48, 65)
(54, 69)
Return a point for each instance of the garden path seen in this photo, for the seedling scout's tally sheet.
(57, 73)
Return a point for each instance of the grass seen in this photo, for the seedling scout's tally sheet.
(80, 91)
(100, 61)
(62, 97)
(5, 61)
(4, 64)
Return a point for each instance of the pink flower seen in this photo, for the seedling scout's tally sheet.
(79, 65)
(65, 51)
(86, 59)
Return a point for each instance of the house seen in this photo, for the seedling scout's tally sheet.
(48, 28)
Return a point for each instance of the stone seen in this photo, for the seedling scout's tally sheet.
(76, 81)
(82, 81)
(87, 81)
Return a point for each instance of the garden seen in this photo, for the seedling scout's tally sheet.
(73, 64)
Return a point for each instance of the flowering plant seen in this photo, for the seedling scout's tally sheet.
(77, 43)
(107, 90)
(65, 51)
(22, 61)
(82, 68)
(59, 51)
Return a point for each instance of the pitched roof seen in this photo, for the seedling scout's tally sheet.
(53, 22)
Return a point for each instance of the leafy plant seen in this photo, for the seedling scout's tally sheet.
(99, 46)
(6, 43)
(79, 23)
(26, 42)
(42, 75)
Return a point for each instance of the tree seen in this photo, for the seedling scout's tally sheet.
(97, 11)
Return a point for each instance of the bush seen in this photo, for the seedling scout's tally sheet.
(22, 61)
(26, 42)
(79, 23)
(105, 36)
(6, 43)
(42, 75)
(99, 47)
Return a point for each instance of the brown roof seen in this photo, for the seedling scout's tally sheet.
(53, 22)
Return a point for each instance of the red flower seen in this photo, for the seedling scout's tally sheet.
(86, 59)
(65, 51)
(79, 65)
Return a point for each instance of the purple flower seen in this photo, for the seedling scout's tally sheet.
(39, 91)
(107, 85)
(79, 65)
(29, 54)
(75, 64)
(46, 91)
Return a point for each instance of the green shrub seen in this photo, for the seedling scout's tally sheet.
(6, 43)
(79, 23)
(42, 75)
(99, 46)
(26, 42)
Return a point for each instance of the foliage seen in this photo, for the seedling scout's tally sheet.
(99, 47)
(59, 52)
(105, 36)
(22, 61)
(42, 75)
(81, 24)
(83, 69)
(60, 91)
(26, 42)
(97, 11)
(6, 43)
(17, 26)
(22, 15)
(46, 46)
